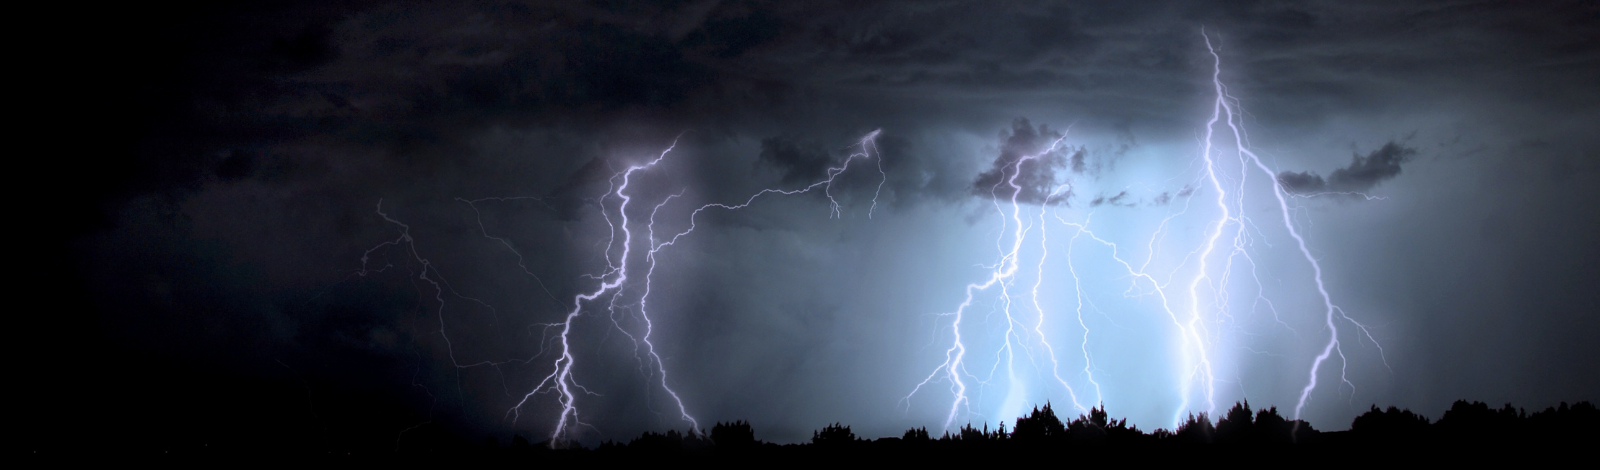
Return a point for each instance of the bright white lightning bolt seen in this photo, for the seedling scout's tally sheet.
(1038, 327)
(1331, 311)
(1205, 283)
(1002, 274)
(1137, 274)
(1191, 330)
(1206, 294)
(560, 379)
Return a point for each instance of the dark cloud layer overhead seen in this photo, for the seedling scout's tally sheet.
(215, 266)
(799, 162)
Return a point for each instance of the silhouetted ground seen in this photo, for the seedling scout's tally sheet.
(1467, 432)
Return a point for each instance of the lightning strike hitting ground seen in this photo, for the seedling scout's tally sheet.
(867, 148)
(615, 279)
(1039, 310)
(1331, 312)
(1003, 273)
(560, 379)
(1196, 311)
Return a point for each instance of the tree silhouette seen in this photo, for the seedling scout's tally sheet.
(1237, 426)
(1391, 426)
(1271, 428)
(1195, 430)
(736, 435)
(833, 435)
(1039, 426)
(1564, 428)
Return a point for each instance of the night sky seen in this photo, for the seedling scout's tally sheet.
(331, 224)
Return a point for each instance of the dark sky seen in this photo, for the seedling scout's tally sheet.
(224, 166)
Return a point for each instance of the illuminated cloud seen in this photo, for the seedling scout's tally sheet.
(1038, 175)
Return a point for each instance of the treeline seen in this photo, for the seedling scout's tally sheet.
(1468, 430)
(1469, 424)
(1476, 423)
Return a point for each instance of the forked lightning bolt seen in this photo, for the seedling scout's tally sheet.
(616, 278)
(1194, 293)
(613, 281)
(1331, 312)
(560, 378)
(953, 368)
(1195, 309)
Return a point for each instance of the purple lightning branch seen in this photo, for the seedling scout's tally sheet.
(560, 379)
(616, 278)
(613, 282)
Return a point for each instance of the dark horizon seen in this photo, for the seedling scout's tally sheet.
(317, 223)
(1464, 423)
(1551, 433)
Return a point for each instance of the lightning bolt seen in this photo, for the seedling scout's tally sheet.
(560, 378)
(867, 147)
(1005, 270)
(615, 279)
(1198, 303)
(1038, 327)
(1331, 312)
(1137, 274)
(430, 274)
(1195, 304)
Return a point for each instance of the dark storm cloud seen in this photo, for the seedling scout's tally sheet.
(1362, 174)
(1167, 197)
(800, 162)
(415, 80)
(235, 153)
(1123, 199)
(1036, 176)
(1078, 161)
(415, 84)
